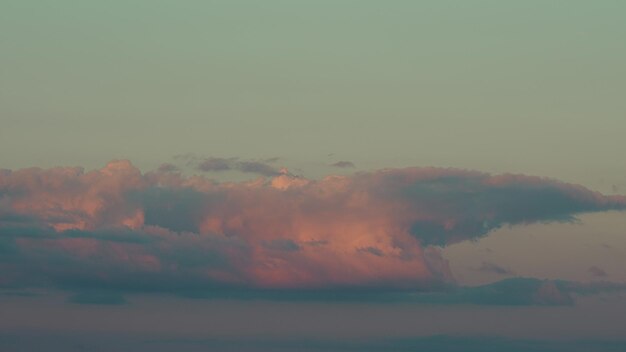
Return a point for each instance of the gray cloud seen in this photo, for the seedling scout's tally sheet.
(214, 164)
(510, 199)
(343, 164)
(492, 268)
(597, 271)
(372, 250)
(256, 167)
(168, 167)
(282, 244)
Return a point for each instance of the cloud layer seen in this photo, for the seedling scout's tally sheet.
(160, 230)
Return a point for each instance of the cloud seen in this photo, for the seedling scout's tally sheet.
(119, 228)
(271, 160)
(517, 291)
(508, 292)
(167, 167)
(256, 167)
(372, 250)
(591, 288)
(597, 271)
(213, 164)
(216, 164)
(343, 164)
(280, 244)
(492, 268)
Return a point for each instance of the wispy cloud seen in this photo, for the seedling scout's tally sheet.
(168, 167)
(597, 271)
(343, 164)
(214, 164)
(492, 268)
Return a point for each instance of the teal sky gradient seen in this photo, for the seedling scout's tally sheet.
(523, 86)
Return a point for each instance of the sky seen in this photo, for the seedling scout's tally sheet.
(400, 167)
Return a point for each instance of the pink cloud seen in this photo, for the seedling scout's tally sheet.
(117, 226)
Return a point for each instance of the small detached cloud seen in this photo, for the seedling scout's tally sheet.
(344, 164)
(214, 164)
